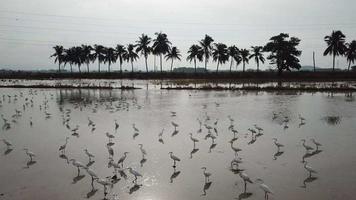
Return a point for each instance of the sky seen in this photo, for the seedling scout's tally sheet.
(29, 29)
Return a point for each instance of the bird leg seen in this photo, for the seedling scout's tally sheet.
(245, 187)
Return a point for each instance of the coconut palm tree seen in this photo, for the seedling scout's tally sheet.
(220, 54)
(161, 46)
(244, 57)
(69, 57)
(78, 58)
(86, 55)
(143, 47)
(350, 53)
(206, 45)
(336, 45)
(233, 52)
(195, 52)
(110, 56)
(98, 54)
(130, 55)
(174, 53)
(59, 55)
(257, 53)
(120, 50)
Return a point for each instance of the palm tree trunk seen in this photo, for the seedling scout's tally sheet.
(172, 65)
(109, 67)
(258, 66)
(231, 64)
(160, 61)
(99, 65)
(206, 62)
(88, 67)
(243, 66)
(333, 62)
(71, 68)
(79, 69)
(59, 67)
(121, 67)
(131, 66)
(146, 64)
(217, 67)
(348, 69)
(195, 65)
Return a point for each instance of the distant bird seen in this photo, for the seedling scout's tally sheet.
(161, 133)
(116, 125)
(105, 183)
(62, 148)
(253, 131)
(29, 153)
(110, 150)
(265, 188)
(173, 114)
(245, 178)
(134, 127)
(91, 173)
(90, 122)
(135, 173)
(7, 143)
(307, 148)
(235, 149)
(278, 145)
(110, 136)
(174, 158)
(122, 159)
(206, 174)
(317, 144)
(77, 164)
(90, 155)
(301, 118)
(258, 128)
(193, 139)
(309, 169)
(175, 125)
(143, 151)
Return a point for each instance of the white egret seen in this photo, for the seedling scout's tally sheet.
(264, 187)
(317, 144)
(122, 159)
(77, 164)
(279, 145)
(110, 136)
(29, 153)
(245, 178)
(258, 128)
(90, 155)
(307, 148)
(62, 148)
(143, 151)
(134, 127)
(206, 174)
(135, 173)
(175, 125)
(161, 133)
(235, 149)
(309, 169)
(116, 125)
(7, 143)
(193, 139)
(174, 158)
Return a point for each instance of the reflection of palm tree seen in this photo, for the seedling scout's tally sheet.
(174, 175)
(205, 44)
(244, 57)
(120, 51)
(258, 55)
(195, 52)
(336, 45)
(130, 55)
(161, 45)
(143, 47)
(351, 53)
(173, 54)
(220, 54)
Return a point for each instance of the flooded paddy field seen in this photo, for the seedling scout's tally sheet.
(231, 143)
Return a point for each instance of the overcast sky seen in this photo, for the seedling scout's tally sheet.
(29, 28)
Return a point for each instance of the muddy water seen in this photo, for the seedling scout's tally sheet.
(329, 119)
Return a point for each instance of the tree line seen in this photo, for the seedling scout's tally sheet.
(282, 50)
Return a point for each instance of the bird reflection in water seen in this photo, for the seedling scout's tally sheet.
(206, 187)
(193, 152)
(309, 179)
(310, 154)
(244, 195)
(277, 154)
(8, 151)
(135, 188)
(64, 157)
(78, 178)
(30, 163)
(92, 192)
(174, 175)
(212, 146)
(142, 161)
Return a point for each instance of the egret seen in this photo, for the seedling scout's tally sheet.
(143, 151)
(110, 150)
(279, 145)
(264, 187)
(235, 149)
(309, 169)
(193, 139)
(253, 131)
(90, 155)
(92, 174)
(90, 122)
(62, 148)
(135, 173)
(307, 148)
(258, 128)
(122, 159)
(116, 125)
(77, 164)
(134, 127)
(174, 158)
(317, 144)
(7, 143)
(161, 133)
(105, 183)
(206, 174)
(110, 136)
(29, 153)
(175, 125)
(245, 178)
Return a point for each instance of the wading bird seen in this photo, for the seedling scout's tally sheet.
(143, 151)
(174, 158)
(135, 173)
(309, 169)
(278, 145)
(193, 139)
(62, 148)
(29, 153)
(7, 143)
(307, 148)
(206, 174)
(317, 144)
(245, 178)
(264, 187)
(90, 155)
(122, 159)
